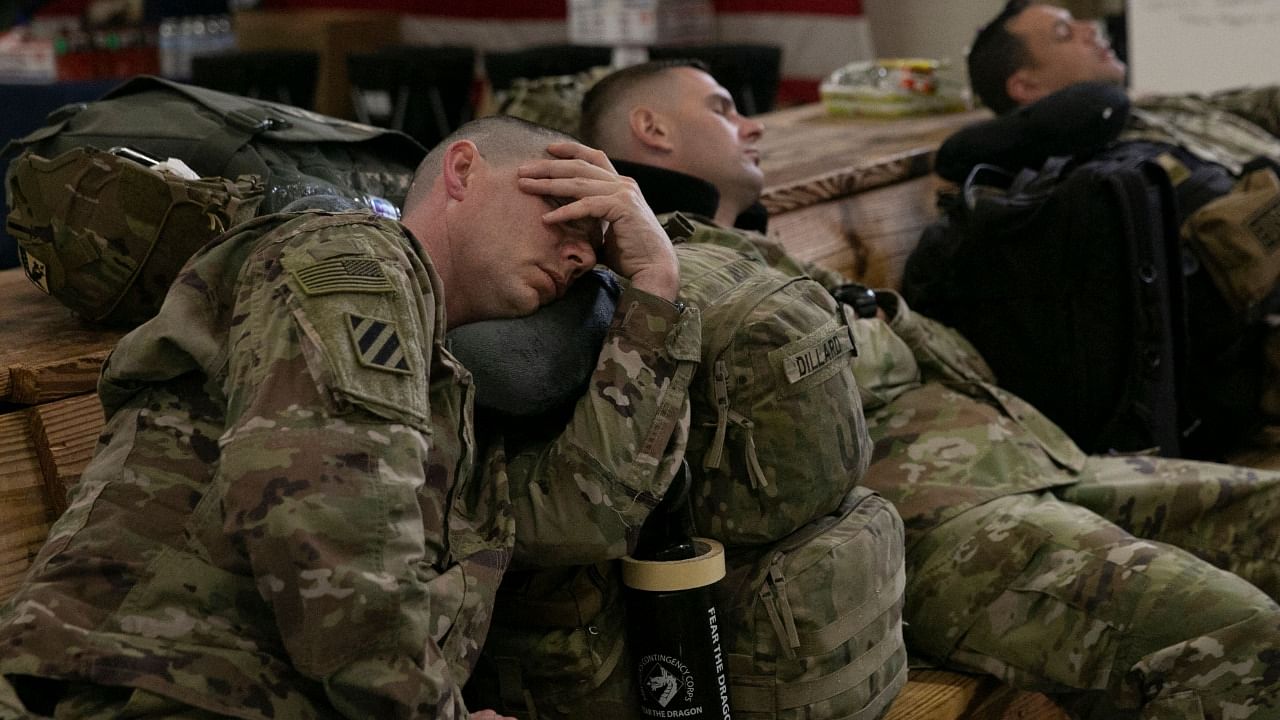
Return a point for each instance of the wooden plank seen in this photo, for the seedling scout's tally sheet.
(25, 514)
(942, 695)
(45, 351)
(867, 236)
(842, 182)
(65, 434)
(33, 383)
(808, 156)
(1005, 703)
(938, 695)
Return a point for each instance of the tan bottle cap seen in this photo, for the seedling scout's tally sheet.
(671, 575)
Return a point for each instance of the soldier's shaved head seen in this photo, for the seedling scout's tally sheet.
(501, 140)
(675, 116)
(606, 105)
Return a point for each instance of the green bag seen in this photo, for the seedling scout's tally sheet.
(1237, 237)
(813, 624)
(778, 436)
(557, 647)
(296, 152)
(106, 235)
(812, 629)
(113, 262)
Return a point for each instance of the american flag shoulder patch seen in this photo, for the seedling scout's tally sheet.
(343, 274)
(377, 344)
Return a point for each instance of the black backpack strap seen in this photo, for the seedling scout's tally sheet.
(511, 687)
(1157, 394)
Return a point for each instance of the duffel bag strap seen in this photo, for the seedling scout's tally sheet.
(241, 126)
(511, 687)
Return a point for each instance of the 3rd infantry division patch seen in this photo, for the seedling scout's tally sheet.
(377, 344)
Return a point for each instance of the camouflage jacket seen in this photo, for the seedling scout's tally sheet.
(1230, 127)
(946, 437)
(284, 517)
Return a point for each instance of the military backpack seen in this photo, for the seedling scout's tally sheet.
(1116, 285)
(813, 623)
(557, 647)
(812, 628)
(778, 436)
(113, 264)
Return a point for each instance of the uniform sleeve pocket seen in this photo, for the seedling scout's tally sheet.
(361, 326)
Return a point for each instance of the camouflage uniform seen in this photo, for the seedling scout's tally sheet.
(554, 101)
(1229, 128)
(284, 518)
(1084, 577)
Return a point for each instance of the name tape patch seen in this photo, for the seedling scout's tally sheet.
(343, 274)
(802, 364)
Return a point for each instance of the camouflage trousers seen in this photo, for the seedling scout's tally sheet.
(1134, 593)
(100, 702)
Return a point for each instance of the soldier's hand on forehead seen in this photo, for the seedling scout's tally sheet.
(597, 200)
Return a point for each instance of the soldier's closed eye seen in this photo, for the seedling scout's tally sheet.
(588, 227)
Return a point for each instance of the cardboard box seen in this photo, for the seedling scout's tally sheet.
(640, 22)
(333, 34)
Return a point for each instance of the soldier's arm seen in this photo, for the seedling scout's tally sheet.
(943, 354)
(1259, 105)
(582, 497)
(326, 495)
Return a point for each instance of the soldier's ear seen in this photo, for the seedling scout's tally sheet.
(650, 128)
(460, 162)
(1022, 87)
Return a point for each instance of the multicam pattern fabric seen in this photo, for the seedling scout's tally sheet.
(778, 436)
(554, 101)
(1056, 571)
(581, 497)
(1229, 128)
(813, 624)
(946, 434)
(1050, 595)
(105, 235)
(558, 647)
(272, 528)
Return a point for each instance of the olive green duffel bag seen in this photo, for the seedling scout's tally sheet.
(254, 156)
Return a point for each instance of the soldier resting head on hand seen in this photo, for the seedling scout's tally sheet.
(287, 516)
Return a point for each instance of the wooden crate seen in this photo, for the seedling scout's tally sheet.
(43, 450)
(46, 353)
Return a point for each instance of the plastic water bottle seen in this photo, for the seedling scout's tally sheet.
(168, 47)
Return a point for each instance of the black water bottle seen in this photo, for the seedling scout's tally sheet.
(673, 628)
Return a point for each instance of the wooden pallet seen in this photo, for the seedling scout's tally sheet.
(43, 450)
(46, 353)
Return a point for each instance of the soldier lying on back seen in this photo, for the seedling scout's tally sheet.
(1122, 586)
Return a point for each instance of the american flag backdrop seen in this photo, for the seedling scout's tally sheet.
(816, 36)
